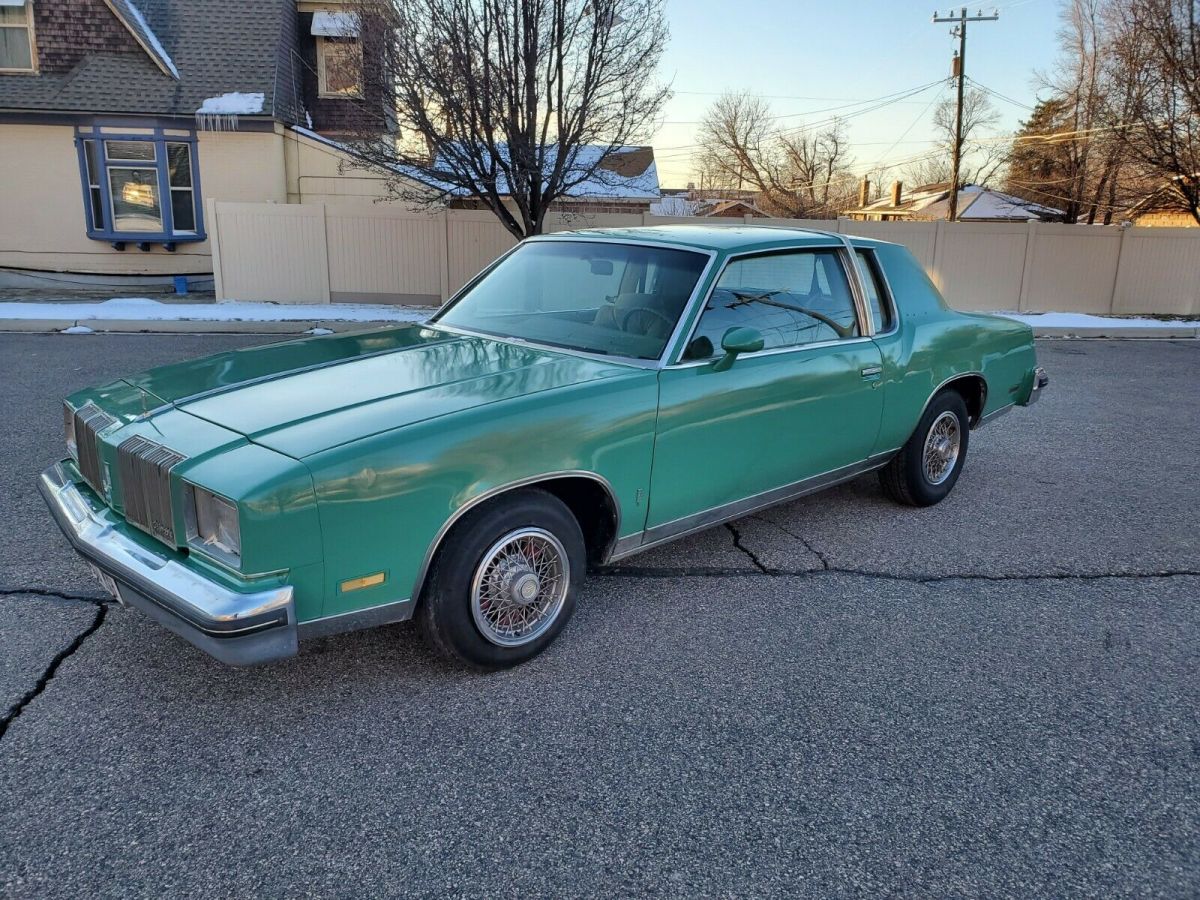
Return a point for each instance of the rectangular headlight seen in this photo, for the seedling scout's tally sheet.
(69, 430)
(213, 526)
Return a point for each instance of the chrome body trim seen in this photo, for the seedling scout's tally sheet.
(995, 414)
(237, 628)
(529, 481)
(670, 531)
(573, 237)
(357, 619)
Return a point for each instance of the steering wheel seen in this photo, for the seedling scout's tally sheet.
(653, 313)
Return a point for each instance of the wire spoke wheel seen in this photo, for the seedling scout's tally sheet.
(941, 448)
(519, 587)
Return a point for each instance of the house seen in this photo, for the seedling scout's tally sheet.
(624, 180)
(120, 120)
(931, 202)
(1160, 210)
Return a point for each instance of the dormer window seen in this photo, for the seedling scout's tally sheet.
(18, 52)
(339, 54)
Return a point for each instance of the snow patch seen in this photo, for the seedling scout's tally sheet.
(143, 309)
(151, 37)
(1084, 320)
(319, 331)
(77, 329)
(234, 103)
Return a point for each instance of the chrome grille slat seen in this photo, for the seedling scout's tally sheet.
(145, 471)
(89, 421)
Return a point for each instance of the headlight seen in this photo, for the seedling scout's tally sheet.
(212, 524)
(69, 430)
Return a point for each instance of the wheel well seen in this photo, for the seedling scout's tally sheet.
(593, 508)
(973, 390)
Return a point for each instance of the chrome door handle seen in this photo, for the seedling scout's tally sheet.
(871, 371)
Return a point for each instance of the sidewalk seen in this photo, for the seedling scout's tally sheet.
(192, 314)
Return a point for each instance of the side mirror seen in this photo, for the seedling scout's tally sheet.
(736, 341)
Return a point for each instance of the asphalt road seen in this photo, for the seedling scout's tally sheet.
(999, 696)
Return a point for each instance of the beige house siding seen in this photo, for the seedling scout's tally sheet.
(42, 224)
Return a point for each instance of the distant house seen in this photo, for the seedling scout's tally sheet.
(731, 209)
(1160, 210)
(121, 119)
(624, 181)
(931, 202)
(691, 202)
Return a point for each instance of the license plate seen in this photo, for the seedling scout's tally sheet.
(106, 582)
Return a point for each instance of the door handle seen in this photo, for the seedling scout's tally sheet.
(871, 371)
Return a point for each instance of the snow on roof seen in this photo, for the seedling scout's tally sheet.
(674, 206)
(975, 203)
(627, 173)
(234, 103)
(136, 22)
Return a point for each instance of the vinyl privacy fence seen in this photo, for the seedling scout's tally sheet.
(374, 253)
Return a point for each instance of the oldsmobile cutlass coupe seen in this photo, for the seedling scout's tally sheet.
(588, 396)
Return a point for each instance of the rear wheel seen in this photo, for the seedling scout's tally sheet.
(504, 582)
(926, 468)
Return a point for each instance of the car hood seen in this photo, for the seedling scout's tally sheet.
(302, 397)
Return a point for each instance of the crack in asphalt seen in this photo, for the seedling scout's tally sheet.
(825, 564)
(764, 572)
(55, 595)
(59, 658)
(737, 542)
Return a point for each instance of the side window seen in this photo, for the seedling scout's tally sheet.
(792, 298)
(868, 271)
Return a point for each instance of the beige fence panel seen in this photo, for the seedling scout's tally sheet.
(978, 266)
(1070, 268)
(1159, 272)
(378, 255)
(473, 239)
(270, 251)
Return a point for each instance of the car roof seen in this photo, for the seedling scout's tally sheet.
(721, 238)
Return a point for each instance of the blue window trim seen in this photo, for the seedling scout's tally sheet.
(159, 137)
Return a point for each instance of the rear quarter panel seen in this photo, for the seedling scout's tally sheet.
(933, 343)
(382, 500)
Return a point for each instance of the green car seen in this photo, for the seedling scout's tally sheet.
(588, 396)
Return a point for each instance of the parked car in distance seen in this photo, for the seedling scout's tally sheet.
(588, 396)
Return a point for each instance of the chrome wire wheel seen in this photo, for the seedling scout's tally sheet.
(942, 446)
(520, 586)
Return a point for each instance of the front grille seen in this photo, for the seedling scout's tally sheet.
(89, 421)
(145, 471)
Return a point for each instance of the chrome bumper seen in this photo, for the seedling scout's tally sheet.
(236, 628)
(1040, 379)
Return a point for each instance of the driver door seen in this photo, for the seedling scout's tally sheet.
(804, 409)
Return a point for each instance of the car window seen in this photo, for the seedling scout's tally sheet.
(868, 270)
(598, 296)
(793, 299)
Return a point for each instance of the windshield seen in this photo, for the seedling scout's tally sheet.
(601, 297)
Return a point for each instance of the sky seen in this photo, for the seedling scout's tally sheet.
(810, 55)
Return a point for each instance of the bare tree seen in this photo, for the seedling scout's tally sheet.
(798, 172)
(982, 158)
(1157, 49)
(514, 103)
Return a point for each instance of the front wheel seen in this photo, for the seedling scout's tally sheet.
(504, 582)
(928, 465)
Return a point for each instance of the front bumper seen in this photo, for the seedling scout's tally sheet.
(242, 629)
(1040, 380)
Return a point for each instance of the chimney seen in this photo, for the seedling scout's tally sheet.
(864, 192)
(896, 186)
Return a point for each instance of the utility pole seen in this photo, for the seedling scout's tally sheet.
(959, 31)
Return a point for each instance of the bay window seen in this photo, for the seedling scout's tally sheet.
(140, 187)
